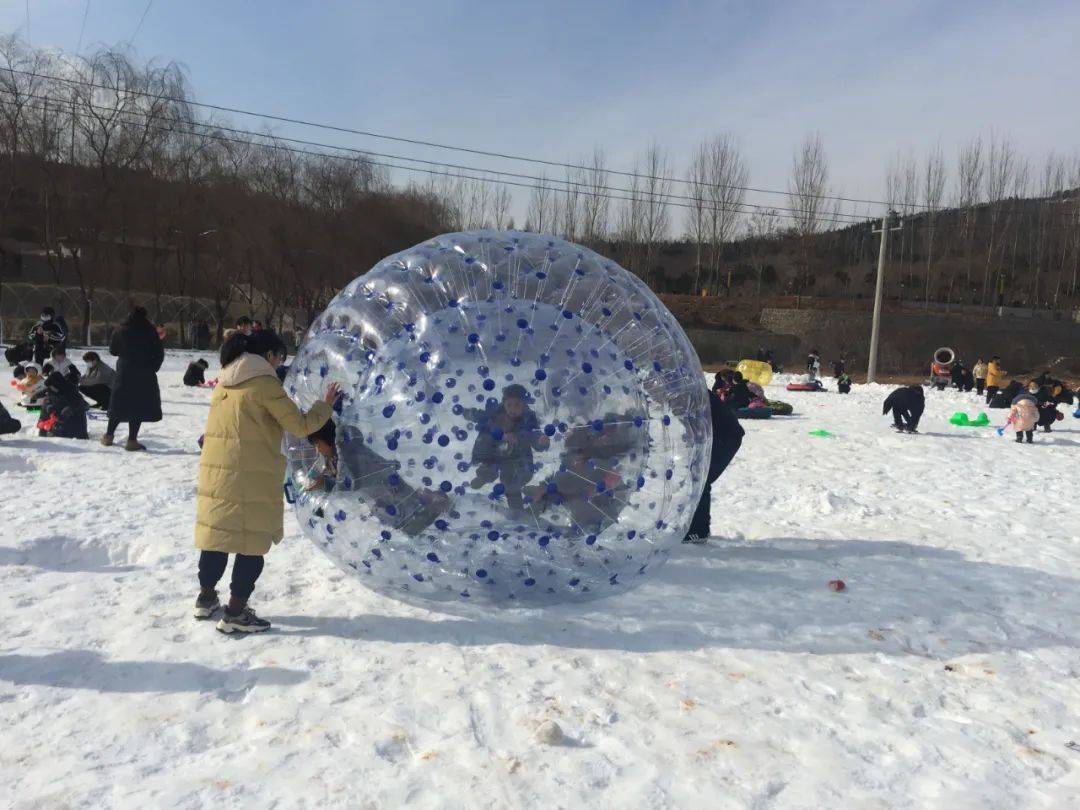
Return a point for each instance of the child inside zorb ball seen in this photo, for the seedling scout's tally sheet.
(522, 422)
(507, 434)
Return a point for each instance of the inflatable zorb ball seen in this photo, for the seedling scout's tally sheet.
(523, 423)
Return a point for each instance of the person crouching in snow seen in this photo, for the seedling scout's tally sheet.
(907, 405)
(195, 375)
(241, 470)
(1024, 414)
(59, 362)
(1045, 402)
(63, 414)
(96, 383)
(843, 384)
(8, 424)
(31, 386)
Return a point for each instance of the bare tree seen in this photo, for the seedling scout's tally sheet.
(570, 219)
(697, 180)
(1071, 221)
(807, 185)
(726, 179)
(762, 228)
(969, 180)
(909, 201)
(595, 200)
(933, 192)
(1018, 211)
(1000, 165)
(541, 206)
(630, 228)
(806, 195)
(1054, 210)
(500, 208)
(655, 191)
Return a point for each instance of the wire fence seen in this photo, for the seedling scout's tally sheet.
(189, 323)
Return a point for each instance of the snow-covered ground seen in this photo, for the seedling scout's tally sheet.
(945, 675)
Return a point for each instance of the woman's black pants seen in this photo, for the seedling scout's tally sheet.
(245, 571)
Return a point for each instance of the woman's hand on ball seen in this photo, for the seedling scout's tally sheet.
(333, 391)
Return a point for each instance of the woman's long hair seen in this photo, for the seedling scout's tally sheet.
(261, 343)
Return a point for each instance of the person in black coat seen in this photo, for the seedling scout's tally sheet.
(63, 412)
(47, 334)
(738, 396)
(507, 433)
(8, 424)
(727, 436)
(1003, 397)
(956, 373)
(196, 373)
(136, 397)
(1047, 405)
(907, 405)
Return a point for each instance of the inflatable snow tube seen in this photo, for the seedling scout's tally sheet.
(780, 408)
(756, 371)
(814, 386)
(753, 413)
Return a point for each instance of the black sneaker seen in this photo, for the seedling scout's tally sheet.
(243, 622)
(206, 605)
(696, 539)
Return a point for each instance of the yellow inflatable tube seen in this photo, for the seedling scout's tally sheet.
(755, 371)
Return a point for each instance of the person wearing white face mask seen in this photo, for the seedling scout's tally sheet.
(49, 333)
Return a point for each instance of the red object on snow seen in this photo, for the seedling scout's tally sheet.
(836, 585)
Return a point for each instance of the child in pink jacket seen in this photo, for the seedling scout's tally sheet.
(1024, 414)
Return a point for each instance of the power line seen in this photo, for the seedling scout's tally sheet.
(82, 28)
(562, 186)
(138, 27)
(434, 172)
(268, 141)
(435, 145)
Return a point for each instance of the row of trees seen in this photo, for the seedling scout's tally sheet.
(1008, 224)
(126, 183)
(127, 186)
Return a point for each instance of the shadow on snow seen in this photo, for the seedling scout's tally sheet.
(773, 595)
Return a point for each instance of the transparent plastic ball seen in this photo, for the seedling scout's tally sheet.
(523, 423)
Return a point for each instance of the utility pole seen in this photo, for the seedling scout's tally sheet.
(891, 222)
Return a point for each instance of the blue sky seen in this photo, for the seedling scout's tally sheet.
(553, 79)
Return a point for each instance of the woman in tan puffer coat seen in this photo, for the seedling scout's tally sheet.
(242, 470)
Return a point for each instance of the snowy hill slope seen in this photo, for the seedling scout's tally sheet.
(946, 672)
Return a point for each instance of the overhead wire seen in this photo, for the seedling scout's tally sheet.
(82, 28)
(553, 184)
(142, 19)
(436, 145)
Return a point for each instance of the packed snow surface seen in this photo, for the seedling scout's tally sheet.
(944, 675)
